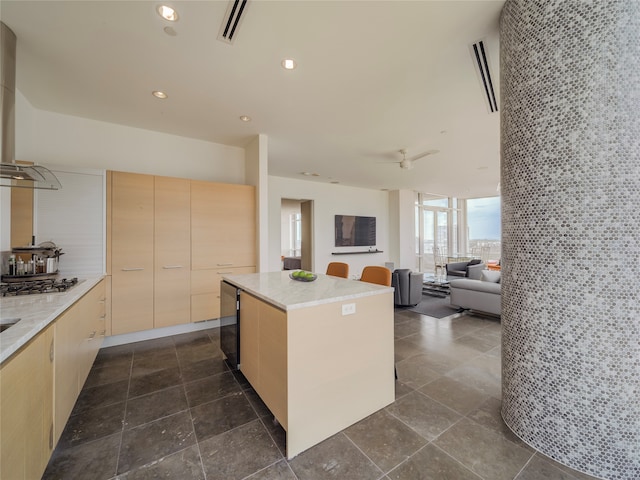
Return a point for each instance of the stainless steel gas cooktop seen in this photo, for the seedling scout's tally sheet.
(32, 287)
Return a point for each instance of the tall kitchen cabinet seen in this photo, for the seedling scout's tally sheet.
(223, 241)
(150, 251)
(172, 251)
(131, 235)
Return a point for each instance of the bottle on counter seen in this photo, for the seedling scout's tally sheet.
(12, 265)
(40, 268)
(20, 266)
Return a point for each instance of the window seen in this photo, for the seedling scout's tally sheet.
(295, 234)
(456, 227)
(483, 227)
(437, 221)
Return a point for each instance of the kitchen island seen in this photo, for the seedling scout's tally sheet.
(320, 354)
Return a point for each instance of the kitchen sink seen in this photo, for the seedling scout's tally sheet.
(7, 322)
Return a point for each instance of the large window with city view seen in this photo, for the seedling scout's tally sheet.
(451, 229)
(483, 227)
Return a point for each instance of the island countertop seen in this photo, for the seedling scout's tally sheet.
(36, 312)
(281, 291)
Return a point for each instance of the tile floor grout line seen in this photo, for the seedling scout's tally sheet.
(384, 474)
(439, 402)
(195, 436)
(459, 462)
(524, 466)
(124, 418)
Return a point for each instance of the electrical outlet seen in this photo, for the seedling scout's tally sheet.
(348, 309)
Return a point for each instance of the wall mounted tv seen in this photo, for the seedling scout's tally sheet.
(355, 231)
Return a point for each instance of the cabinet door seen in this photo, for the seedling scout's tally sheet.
(26, 405)
(90, 311)
(205, 291)
(249, 339)
(39, 431)
(223, 225)
(132, 236)
(263, 352)
(172, 245)
(69, 342)
(273, 361)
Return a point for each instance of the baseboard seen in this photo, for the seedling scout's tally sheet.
(124, 338)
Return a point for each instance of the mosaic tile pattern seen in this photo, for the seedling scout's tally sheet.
(571, 231)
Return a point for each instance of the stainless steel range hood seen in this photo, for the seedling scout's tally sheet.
(13, 174)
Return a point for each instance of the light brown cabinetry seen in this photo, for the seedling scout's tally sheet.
(205, 291)
(78, 336)
(223, 241)
(172, 251)
(169, 242)
(263, 340)
(132, 261)
(22, 214)
(223, 226)
(149, 251)
(26, 409)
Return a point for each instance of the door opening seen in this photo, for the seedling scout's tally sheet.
(296, 236)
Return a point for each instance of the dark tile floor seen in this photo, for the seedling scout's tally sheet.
(170, 408)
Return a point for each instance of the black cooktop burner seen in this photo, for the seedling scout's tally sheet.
(31, 287)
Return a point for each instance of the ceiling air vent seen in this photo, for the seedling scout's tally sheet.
(481, 63)
(231, 20)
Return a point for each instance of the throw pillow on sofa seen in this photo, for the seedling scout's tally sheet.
(490, 276)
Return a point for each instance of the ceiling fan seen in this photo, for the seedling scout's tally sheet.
(407, 163)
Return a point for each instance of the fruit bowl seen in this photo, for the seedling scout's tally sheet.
(302, 276)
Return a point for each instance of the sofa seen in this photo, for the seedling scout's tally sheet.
(407, 287)
(471, 269)
(483, 295)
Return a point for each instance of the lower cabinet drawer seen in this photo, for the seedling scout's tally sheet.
(205, 291)
(205, 306)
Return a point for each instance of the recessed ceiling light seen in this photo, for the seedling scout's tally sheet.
(334, 181)
(159, 94)
(289, 64)
(245, 118)
(310, 174)
(167, 13)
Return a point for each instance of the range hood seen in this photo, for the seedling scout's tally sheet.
(13, 174)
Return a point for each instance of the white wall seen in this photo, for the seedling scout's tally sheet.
(402, 221)
(51, 138)
(329, 200)
(256, 174)
(77, 227)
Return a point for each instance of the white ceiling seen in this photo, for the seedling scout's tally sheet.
(373, 77)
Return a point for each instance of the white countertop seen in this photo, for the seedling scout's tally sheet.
(36, 312)
(284, 293)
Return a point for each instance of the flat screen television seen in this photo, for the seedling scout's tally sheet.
(355, 231)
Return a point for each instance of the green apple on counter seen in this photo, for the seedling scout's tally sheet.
(302, 275)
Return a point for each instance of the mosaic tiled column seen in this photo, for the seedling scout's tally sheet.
(570, 101)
